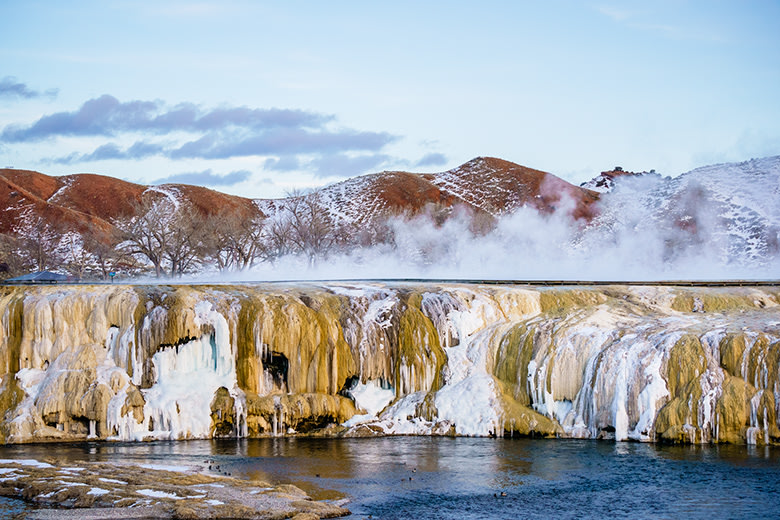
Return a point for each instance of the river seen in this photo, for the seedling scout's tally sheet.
(441, 477)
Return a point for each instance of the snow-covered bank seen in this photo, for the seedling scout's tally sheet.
(101, 490)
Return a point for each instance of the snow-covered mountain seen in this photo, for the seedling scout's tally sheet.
(725, 213)
(483, 185)
(715, 221)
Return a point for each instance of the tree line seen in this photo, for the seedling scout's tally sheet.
(169, 238)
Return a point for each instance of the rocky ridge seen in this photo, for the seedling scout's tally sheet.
(88, 203)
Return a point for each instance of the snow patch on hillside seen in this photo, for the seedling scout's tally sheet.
(67, 183)
(173, 194)
(477, 183)
(351, 201)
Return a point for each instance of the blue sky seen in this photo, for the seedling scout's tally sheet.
(259, 98)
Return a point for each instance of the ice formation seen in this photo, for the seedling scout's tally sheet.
(640, 363)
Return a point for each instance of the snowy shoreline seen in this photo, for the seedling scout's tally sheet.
(89, 490)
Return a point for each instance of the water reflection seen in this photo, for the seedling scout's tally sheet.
(11, 508)
(428, 477)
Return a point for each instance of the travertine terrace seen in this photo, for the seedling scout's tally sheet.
(136, 362)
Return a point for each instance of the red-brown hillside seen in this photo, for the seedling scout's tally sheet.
(85, 202)
(363, 199)
(27, 194)
(500, 187)
(89, 202)
(104, 197)
(485, 185)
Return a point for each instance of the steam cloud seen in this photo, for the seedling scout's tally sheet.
(720, 222)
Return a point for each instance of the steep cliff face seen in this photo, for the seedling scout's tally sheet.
(149, 362)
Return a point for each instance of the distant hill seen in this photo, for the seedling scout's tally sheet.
(88, 202)
(84, 202)
(725, 214)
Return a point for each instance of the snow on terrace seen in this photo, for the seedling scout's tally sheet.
(744, 196)
(267, 207)
(26, 217)
(741, 210)
(491, 185)
(734, 205)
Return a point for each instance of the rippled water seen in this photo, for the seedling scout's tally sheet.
(430, 477)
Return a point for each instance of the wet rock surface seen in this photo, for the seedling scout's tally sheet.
(100, 490)
(169, 362)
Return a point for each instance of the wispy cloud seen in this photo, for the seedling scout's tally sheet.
(618, 14)
(188, 131)
(432, 159)
(107, 116)
(10, 87)
(282, 164)
(286, 141)
(206, 177)
(653, 18)
(138, 150)
(342, 165)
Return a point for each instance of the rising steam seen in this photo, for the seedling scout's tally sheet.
(718, 222)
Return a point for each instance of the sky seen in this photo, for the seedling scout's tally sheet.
(261, 98)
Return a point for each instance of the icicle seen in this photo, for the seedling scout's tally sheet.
(755, 429)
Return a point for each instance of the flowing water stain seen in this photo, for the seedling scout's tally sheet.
(173, 362)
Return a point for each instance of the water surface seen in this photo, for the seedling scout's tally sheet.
(434, 477)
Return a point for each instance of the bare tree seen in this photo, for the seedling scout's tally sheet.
(311, 230)
(12, 263)
(372, 232)
(145, 232)
(168, 234)
(276, 238)
(76, 258)
(108, 258)
(232, 239)
(37, 242)
(246, 241)
(183, 244)
(215, 245)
